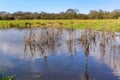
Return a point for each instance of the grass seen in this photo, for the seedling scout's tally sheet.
(7, 78)
(107, 25)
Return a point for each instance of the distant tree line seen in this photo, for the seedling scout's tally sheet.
(68, 14)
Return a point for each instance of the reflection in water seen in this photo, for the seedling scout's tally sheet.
(46, 42)
(43, 43)
(86, 74)
(100, 44)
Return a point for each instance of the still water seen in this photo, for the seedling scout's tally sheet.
(59, 54)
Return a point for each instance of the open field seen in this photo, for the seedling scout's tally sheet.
(108, 25)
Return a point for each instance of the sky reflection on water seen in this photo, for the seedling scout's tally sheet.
(58, 54)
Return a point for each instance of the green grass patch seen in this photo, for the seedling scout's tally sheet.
(7, 78)
(108, 25)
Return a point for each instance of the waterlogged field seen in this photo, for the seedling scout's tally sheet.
(59, 54)
(108, 25)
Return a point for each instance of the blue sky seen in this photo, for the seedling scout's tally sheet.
(84, 6)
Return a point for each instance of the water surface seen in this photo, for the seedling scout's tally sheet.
(59, 54)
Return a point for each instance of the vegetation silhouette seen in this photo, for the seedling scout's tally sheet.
(68, 14)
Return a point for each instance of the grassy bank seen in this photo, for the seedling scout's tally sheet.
(75, 24)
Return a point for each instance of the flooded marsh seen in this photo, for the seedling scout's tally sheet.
(59, 54)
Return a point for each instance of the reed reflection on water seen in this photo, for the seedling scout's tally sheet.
(103, 47)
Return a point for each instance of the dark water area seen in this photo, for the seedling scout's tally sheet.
(59, 54)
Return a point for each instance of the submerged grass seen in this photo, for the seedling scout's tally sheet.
(108, 25)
